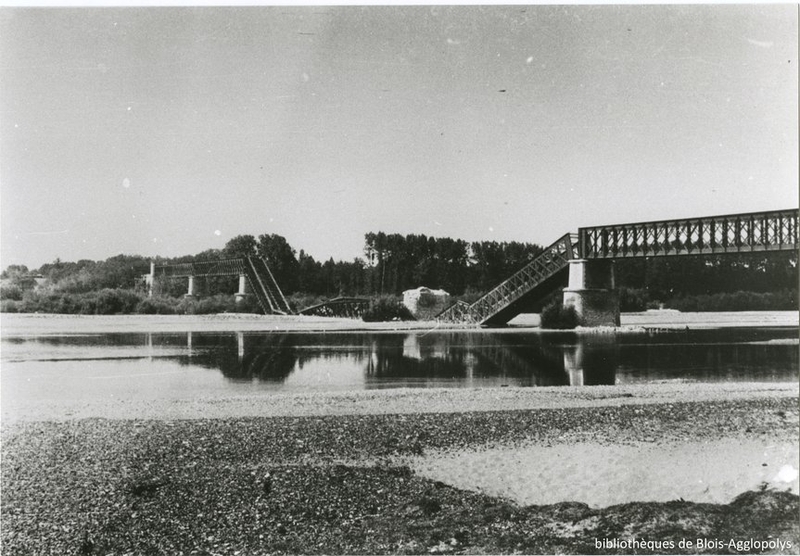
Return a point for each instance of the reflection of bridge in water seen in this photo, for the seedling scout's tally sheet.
(475, 359)
(366, 360)
(462, 359)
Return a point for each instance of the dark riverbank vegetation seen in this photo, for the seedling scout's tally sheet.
(391, 264)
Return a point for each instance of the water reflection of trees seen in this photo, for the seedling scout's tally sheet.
(271, 357)
(244, 357)
(474, 358)
(414, 358)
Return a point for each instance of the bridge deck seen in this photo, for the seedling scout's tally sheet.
(708, 235)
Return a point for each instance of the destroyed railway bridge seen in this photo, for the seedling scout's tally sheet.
(583, 260)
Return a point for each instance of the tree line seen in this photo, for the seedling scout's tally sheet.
(391, 264)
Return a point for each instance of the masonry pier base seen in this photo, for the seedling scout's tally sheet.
(592, 292)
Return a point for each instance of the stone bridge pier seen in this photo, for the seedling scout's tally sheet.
(592, 292)
(243, 293)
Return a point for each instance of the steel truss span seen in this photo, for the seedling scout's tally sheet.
(225, 267)
(734, 233)
(550, 261)
(254, 269)
(708, 235)
(344, 307)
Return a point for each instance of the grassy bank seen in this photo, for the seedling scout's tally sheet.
(341, 484)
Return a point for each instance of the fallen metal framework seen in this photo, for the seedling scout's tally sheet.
(346, 307)
(549, 262)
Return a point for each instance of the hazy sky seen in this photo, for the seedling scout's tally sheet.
(168, 131)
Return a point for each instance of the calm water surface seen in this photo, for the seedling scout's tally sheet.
(221, 364)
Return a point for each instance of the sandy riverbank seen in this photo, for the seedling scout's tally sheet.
(20, 324)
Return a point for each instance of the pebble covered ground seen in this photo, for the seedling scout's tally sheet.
(340, 484)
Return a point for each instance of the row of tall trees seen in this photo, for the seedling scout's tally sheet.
(398, 262)
(393, 263)
(665, 278)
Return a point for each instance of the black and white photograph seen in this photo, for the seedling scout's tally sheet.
(399, 279)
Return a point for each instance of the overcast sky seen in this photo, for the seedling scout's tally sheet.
(168, 131)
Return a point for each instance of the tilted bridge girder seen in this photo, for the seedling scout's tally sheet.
(709, 235)
(513, 294)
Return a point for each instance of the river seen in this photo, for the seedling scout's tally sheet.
(89, 367)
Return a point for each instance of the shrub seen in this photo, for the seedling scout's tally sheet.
(785, 300)
(300, 301)
(470, 296)
(221, 303)
(386, 308)
(247, 305)
(633, 300)
(11, 291)
(9, 306)
(88, 305)
(558, 317)
(155, 306)
(116, 301)
(186, 306)
(215, 304)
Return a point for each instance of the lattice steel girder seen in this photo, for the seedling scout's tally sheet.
(547, 263)
(349, 307)
(732, 233)
(225, 267)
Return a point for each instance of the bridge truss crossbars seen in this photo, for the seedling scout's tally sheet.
(344, 307)
(553, 259)
(256, 270)
(733, 233)
(736, 233)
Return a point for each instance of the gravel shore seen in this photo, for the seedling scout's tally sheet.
(342, 484)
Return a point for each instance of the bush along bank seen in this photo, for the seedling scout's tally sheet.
(556, 316)
(113, 301)
(123, 302)
(386, 308)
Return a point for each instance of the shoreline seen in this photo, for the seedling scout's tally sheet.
(40, 323)
(400, 401)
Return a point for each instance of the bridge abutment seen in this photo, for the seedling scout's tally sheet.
(592, 292)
